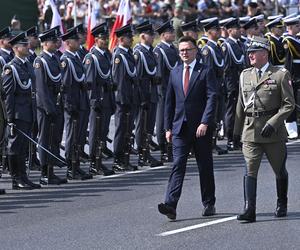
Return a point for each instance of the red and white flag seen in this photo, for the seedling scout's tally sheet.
(91, 24)
(56, 19)
(123, 18)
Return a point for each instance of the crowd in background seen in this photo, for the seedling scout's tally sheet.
(161, 10)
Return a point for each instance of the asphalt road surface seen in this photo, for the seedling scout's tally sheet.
(120, 212)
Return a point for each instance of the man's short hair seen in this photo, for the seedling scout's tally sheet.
(187, 39)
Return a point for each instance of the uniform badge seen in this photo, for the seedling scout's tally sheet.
(290, 82)
(205, 52)
(63, 64)
(7, 71)
(87, 61)
(286, 46)
(224, 48)
(136, 57)
(117, 61)
(37, 65)
(157, 55)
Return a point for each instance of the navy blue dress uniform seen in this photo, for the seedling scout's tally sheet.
(73, 82)
(125, 81)
(6, 55)
(48, 86)
(33, 31)
(148, 96)
(97, 66)
(20, 104)
(192, 26)
(167, 60)
(234, 64)
(212, 56)
(292, 63)
(85, 109)
(277, 54)
(183, 114)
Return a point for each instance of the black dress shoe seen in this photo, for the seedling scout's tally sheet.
(83, 174)
(19, 184)
(249, 215)
(167, 210)
(44, 180)
(107, 152)
(153, 146)
(152, 162)
(30, 183)
(70, 175)
(209, 210)
(2, 191)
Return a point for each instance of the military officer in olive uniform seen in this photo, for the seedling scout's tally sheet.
(146, 71)
(73, 81)
(125, 80)
(292, 63)
(167, 59)
(20, 104)
(276, 29)
(48, 84)
(265, 101)
(97, 66)
(234, 64)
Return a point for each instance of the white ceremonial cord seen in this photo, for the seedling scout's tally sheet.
(149, 72)
(129, 72)
(17, 79)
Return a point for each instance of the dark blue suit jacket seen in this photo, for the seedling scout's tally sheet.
(198, 106)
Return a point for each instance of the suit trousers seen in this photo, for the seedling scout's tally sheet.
(182, 144)
(160, 132)
(276, 154)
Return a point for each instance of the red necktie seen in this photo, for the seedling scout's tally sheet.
(186, 79)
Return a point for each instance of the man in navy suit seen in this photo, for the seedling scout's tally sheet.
(189, 118)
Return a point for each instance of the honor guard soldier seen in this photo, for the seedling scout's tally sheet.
(265, 101)
(260, 20)
(146, 66)
(124, 78)
(212, 56)
(19, 98)
(33, 44)
(292, 63)
(224, 32)
(251, 29)
(191, 29)
(167, 59)
(73, 81)
(243, 21)
(276, 29)
(48, 83)
(6, 53)
(97, 66)
(85, 109)
(32, 35)
(234, 64)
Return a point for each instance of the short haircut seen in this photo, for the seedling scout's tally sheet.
(187, 39)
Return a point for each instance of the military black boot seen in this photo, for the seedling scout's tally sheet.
(282, 188)
(152, 162)
(249, 214)
(22, 169)
(163, 153)
(17, 181)
(49, 178)
(141, 159)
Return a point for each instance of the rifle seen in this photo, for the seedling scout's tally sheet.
(145, 137)
(74, 151)
(127, 139)
(49, 159)
(99, 144)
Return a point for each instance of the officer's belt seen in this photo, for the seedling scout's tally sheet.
(261, 113)
(296, 61)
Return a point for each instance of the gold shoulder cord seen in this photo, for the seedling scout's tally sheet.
(292, 49)
(274, 54)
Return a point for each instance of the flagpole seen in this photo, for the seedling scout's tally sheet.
(75, 13)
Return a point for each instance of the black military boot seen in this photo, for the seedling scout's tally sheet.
(249, 214)
(107, 152)
(22, 169)
(121, 163)
(100, 170)
(141, 159)
(17, 181)
(163, 153)
(152, 145)
(282, 188)
(49, 178)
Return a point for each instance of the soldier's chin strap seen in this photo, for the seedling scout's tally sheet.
(39, 145)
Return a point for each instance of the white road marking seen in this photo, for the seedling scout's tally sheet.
(184, 229)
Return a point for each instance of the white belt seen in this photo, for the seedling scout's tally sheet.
(296, 61)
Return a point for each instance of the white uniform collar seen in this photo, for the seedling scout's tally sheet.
(100, 50)
(22, 60)
(122, 47)
(72, 53)
(6, 51)
(168, 44)
(48, 53)
(233, 39)
(146, 46)
(215, 43)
